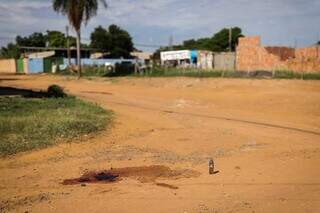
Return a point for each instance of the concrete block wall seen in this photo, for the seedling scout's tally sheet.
(7, 66)
(205, 60)
(224, 61)
(250, 56)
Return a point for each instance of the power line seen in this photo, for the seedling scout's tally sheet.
(171, 42)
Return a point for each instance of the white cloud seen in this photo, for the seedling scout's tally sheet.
(277, 21)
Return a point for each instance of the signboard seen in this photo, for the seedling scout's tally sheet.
(175, 55)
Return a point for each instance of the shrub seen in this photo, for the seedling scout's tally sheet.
(55, 91)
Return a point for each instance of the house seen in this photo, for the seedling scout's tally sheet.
(143, 56)
(179, 58)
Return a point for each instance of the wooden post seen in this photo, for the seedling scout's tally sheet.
(302, 60)
(230, 39)
(68, 46)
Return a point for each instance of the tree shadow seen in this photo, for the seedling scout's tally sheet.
(11, 91)
(9, 79)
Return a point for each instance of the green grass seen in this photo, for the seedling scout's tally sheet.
(296, 75)
(87, 71)
(32, 123)
(311, 76)
(173, 72)
(287, 75)
(94, 71)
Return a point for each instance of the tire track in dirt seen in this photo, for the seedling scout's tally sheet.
(220, 118)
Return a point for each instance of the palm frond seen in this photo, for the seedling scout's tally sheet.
(78, 11)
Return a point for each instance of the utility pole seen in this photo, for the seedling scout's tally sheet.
(230, 39)
(171, 42)
(318, 44)
(68, 45)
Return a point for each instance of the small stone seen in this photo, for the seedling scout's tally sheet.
(83, 184)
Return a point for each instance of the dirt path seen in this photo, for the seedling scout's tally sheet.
(264, 136)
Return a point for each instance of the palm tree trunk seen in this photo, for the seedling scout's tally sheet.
(79, 53)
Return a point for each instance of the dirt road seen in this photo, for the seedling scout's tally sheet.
(264, 136)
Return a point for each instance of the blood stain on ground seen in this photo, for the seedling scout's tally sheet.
(144, 174)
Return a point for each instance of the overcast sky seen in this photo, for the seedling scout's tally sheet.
(279, 22)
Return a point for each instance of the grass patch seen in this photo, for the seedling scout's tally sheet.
(173, 72)
(296, 75)
(95, 71)
(311, 76)
(87, 71)
(287, 75)
(32, 123)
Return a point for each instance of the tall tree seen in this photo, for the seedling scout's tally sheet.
(219, 42)
(78, 12)
(115, 41)
(34, 40)
(11, 51)
(58, 39)
(121, 42)
(100, 39)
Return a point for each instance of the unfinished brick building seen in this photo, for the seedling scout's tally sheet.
(251, 56)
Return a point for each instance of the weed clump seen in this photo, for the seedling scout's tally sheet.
(55, 91)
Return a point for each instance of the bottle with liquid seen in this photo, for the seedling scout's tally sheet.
(211, 167)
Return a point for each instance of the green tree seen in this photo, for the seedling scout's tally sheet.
(115, 41)
(100, 39)
(34, 40)
(11, 51)
(79, 12)
(51, 38)
(190, 44)
(220, 40)
(121, 42)
(58, 39)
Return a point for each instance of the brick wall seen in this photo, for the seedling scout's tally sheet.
(251, 57)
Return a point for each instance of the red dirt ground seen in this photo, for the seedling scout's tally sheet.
(264, 136)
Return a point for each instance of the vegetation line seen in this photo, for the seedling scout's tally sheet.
(40, 119)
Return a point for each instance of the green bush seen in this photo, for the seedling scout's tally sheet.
(94, 71)
(311, 76)
(55, 91)
(287, 75)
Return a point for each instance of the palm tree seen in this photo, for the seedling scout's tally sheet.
(78, 12)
